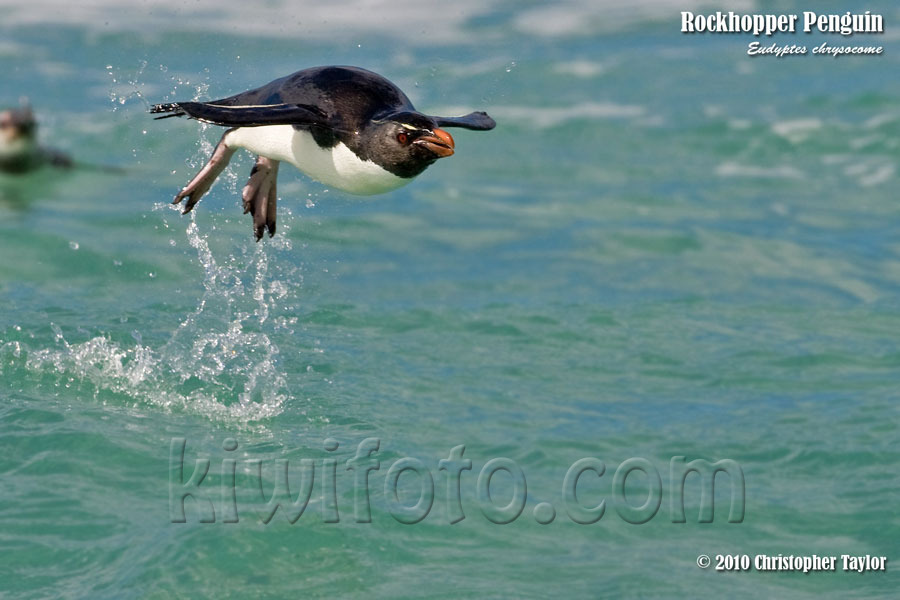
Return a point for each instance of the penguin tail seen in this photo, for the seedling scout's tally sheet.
(173, 110)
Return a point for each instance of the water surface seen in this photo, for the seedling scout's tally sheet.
(666, 248)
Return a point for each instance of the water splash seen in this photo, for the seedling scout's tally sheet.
(126, 84)
(220, 361)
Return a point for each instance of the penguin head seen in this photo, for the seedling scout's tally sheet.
(17, 124)
(406, 143)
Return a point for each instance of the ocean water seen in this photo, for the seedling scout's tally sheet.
(665, 249)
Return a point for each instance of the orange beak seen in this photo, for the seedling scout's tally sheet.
(441, 143)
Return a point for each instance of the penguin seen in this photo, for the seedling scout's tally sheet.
(19, 150)
(346, 127)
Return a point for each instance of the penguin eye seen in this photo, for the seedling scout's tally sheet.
(402, 137)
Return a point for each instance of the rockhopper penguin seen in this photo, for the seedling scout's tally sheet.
(346, 127)
(19, 148)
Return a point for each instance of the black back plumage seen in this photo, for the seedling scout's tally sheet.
(334, 103)
(355, 94)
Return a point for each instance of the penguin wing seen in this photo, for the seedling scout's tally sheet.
(479, 121)
(245, 116)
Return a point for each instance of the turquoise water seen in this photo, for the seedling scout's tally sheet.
(666, 248)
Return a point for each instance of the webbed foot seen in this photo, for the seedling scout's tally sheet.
(260, 196)
(202, 181)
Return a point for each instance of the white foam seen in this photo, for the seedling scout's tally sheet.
(585, 17)
(880, 120)
(877, 175)
(544, 117)
(412, 19)
(797, 130)
(733, 169)
(219, 362)
(584, 69)
(415, 21)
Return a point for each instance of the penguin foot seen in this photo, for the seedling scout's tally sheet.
(202, 181)
(260, 196)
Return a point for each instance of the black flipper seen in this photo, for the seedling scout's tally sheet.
(245, 116)
(479, 121)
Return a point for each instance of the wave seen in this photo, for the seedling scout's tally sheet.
(341, 19)
(735, 169)
(276, 18)
(585, 17)
(553, 116)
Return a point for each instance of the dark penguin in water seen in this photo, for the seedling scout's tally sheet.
(19, 149)
(346, 127)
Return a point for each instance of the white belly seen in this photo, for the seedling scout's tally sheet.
(336, 167)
